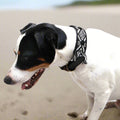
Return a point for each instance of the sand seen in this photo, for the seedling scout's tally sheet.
(55, 94)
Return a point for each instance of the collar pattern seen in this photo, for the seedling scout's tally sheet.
(79, 53)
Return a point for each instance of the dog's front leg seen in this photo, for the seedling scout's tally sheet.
(90, 101)
(84, 116)
(100, 100)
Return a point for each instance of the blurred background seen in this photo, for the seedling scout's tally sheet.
(55, 94)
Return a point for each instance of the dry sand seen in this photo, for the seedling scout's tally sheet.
(55, 94)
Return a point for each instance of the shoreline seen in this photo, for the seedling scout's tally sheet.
(113, 9)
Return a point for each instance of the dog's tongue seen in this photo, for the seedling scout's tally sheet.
(29, 83)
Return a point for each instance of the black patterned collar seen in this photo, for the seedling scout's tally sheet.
(79, 53)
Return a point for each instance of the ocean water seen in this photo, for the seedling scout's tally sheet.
(31, 4)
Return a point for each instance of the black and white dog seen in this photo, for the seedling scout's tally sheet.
(94, 64)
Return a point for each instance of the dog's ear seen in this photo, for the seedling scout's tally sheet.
(52, 34)
(27, 28)
(46, 36)
(45, 42)
(61, 41)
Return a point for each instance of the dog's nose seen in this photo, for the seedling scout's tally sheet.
(8, 80)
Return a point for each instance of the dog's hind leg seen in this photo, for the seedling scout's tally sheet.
(117, 104)
(110, 105)
(114, 104)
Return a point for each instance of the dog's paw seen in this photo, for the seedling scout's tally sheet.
(83, 117)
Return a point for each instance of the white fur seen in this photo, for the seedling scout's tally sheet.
(19, 40)
(100, 77)
(19, 75)
(64, 55)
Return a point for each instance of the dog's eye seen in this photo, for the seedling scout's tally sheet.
(15, 52)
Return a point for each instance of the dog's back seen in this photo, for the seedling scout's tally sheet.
(103, 48)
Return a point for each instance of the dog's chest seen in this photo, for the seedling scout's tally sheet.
(82, 77)
(93, 78)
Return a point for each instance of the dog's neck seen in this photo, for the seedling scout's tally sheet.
(64, 55)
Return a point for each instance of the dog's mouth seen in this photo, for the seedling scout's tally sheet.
(29, 83)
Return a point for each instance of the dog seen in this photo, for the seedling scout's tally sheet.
(97, 70)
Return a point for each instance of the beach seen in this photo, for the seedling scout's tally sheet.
(55, 94)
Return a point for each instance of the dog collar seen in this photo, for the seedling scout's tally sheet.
(79, 53)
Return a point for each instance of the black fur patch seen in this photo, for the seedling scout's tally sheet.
(28, 53)
(40, 41)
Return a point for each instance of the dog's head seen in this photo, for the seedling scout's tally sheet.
(36, 47)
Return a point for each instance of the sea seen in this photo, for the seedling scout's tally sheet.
(31, 4)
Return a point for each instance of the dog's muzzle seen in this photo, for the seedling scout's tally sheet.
(12, 78)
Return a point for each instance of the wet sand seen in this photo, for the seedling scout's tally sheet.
(55, 94)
